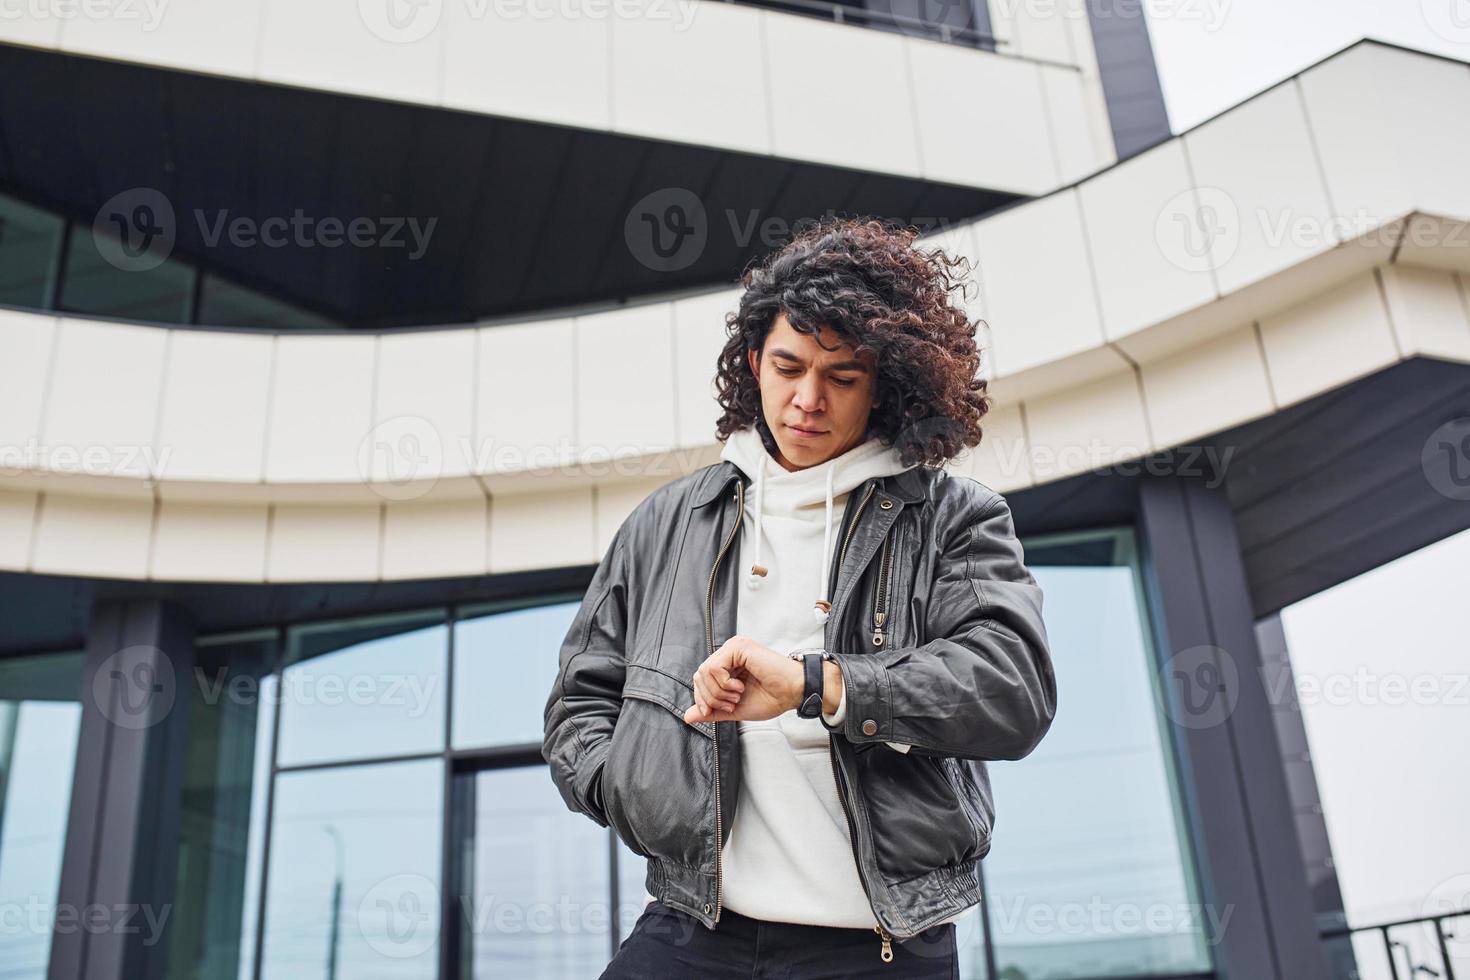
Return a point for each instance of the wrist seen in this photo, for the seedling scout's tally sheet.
(831, 686)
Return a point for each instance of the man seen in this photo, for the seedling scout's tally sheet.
(793, 729)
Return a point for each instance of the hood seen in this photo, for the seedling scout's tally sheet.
(778, 490)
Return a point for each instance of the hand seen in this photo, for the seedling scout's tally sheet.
(745, 681)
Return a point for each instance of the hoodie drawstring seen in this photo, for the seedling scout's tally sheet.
(822, 608)
(757, 570)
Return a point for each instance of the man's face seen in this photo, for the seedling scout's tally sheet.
(816, 402)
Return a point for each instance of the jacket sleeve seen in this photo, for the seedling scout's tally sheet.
(983, 686)
(586, 698)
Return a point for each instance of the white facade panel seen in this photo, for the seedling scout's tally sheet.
(321, 411)
(216, 390)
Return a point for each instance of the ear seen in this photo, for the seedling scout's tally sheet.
(753, 357)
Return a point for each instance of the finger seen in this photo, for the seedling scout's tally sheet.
(724, 679)
(705, 688)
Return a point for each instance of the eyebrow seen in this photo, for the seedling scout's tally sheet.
(840, 366)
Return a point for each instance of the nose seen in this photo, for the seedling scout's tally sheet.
(808, 395)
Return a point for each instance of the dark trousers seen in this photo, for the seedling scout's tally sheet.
(667, 942)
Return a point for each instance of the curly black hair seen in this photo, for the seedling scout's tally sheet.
(866, 281)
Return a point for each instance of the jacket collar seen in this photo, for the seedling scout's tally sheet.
(907, 486)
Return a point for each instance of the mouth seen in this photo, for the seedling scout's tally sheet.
(806, 433)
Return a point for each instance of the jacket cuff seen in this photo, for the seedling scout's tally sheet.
(865, 698)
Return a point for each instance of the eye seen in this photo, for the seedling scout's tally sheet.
(844, 382)
(783, 372)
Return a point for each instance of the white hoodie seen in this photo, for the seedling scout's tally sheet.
(788, 857)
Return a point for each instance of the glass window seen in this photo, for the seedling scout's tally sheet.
(633, 893)
(504, 665)
(372, 687)
(222, 810)
(40, 718)
(91, 283)
(537, 883)
(30, 242)
(225, 304)
(1111, 895)
(353, 877)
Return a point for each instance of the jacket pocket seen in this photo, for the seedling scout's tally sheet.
(972, 786)
(919, 819)
(656, 780)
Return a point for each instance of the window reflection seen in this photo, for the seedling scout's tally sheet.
(40, 716)
(633, 894)
(92, 284)
(30, 243)
(225, 304)
(538, 882)
(353, 877)
(1110, 895)
(504, 664)
(365, 689)
(222, 810)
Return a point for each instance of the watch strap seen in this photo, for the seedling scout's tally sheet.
(811, 693)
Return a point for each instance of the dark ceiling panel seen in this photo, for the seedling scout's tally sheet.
(528, 217)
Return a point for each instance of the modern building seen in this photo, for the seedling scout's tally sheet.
(337, 340)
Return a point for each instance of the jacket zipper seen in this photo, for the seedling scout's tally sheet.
(880, 598)
(709, 637)
(886, 954)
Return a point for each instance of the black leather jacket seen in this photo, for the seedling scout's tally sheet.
(936, 623)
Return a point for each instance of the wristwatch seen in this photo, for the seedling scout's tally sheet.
(813, 681)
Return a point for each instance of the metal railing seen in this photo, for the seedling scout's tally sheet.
(1393, 947)
(905, 23)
